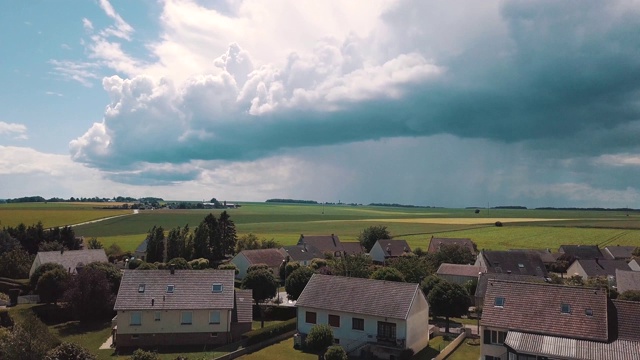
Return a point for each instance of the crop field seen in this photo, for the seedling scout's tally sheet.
(285, 222)
(55, 214)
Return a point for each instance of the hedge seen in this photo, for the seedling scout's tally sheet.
(256, 336)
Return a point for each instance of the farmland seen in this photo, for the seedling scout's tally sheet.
(285, 223)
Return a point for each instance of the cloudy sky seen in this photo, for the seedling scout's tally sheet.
(444, 103)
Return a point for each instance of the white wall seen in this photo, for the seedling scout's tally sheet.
(242, 263)
(418, 323)
(377, 253)
(170, 322)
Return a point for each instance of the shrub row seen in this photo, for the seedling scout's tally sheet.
(256, 336)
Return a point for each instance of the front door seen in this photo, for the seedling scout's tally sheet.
(386, 331)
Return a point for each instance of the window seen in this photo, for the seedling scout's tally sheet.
(357, 324)
(170, 288)
(216, 288)
(565, 309)
(386, 330)
(310, 317)
(141, 288)
(334, 320)
(186, 318)
(521, 266)
(494, 337)
(157, 316)
(499, 301)
(214, 334)
(588, 312)
(214, 317)
(136, 318)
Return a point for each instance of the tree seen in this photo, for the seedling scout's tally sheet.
(33, 280)
(287, 268)
(114, 251)
(89, 295)
(94, 243)
(630, 295)
(575, 280)
(255, 267)
(414, 268)
(113, 274)
(335, 352)
(51, 285)
(175, 243)
(448, 300)
(562, 263)
(230, 266)
(429, 283)
(247, 242)
(264, 286)
(147, 266)
(319, 338)
(296, 281)
(636, 252)
(227, 234)
(388, 274)
(15, 264)
(155, 244)
(144, 355)
(69, 351)
(370, 235)
(357, 265)
(29, 339)
(453, 254)
(199, 264)
(179, 264)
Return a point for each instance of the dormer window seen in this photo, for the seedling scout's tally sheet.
(521, 266)
(499, 301)
(216, 288)
(141, 288)
(565, 309)
(170, 289)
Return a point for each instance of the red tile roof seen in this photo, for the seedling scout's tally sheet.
(627, 319)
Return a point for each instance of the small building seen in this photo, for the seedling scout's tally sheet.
(627, 280)
(459, 274)
(273, 258)
(436, 243)
(388, 249)
(582, 251)
(587, 268)
(379, 317)
(180, 307)
(511, 262)
(141, 250)
(326, 244)
(302, 254)
(619, 252)
(543, 321)
(71, 260)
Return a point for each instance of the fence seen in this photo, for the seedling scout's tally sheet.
(28, 299)
(256, 347)
(452, 345)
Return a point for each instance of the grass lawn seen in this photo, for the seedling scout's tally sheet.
(255, 325)
(281, 350)
(435, 346)
(466, 351)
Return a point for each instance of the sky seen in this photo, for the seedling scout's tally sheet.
(435, 103)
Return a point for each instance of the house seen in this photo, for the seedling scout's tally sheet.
(436, 243)
(587, 268)
(582, 251)
(511, 262)
(273, 258)
(380, 317)
(71, 260)
(546, 256)
(542, 321)
(458, 273)
(327, 244)
(634, 265)
(627, 280)
(388, 249)
(302, 254)
(353, 248)
(484, 278)
(180, 307)
(141, 250)
(619, 252)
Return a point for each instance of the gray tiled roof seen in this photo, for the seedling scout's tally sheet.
(352, 248)
(436, 243)
(324, 243)
(582, 251)
(536, 308)
(459, 270)
(394, 247)
(192, 290)
(627, 280)
(545, 255)
(602, 267)
(359, 296)
(516, 262)
(627, 318)
(618, 252)
(483, 280)
(270, 257)
(243, 311)
(303, 253)
(70, 259)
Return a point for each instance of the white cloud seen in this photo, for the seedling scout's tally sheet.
(82, 72)
(121, 29)
(87, 24)
(53, 93)
(17, 131)
(618, 160)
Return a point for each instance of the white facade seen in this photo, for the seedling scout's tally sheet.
(171, 321)
(377, 253)
(492, 343)
(242, 263)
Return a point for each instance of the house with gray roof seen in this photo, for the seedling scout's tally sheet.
(381, 317)
(619, 252)
(389, 249)
(180, 307)
(511, 262)
(273, 258)
(70, 260)
(484, 278)
(582, 251)
(543, 321)
(591, 268)
(627, 280)
(459, 273)
(141, 250)
(327, 244)
(302, 253)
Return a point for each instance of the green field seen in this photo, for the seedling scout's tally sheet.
(285, 223)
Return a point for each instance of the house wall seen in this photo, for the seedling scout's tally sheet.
(170, 322)
(377, 253)
(480, 261)
(349, 338)
(34, 265)
(418, 323)
(634, 265)
(576, 269)
(243, 264)
(499, 351)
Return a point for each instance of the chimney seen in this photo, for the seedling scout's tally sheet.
(153, 301)
(172, 269)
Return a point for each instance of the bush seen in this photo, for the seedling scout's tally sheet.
(258, 267)
(33, 280)
(335, 352)
(5, 319)
(256, 336)
(319, 337)
(133, 264)
(199, 264)
(144, 355)
(69, 351)
(498, 223)
(229, 266)
(179, 264)
(147, 266)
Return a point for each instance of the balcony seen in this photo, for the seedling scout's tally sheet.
(390, 341)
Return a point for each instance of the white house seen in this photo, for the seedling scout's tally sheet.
(385, 249)
(382, 317)
(70, 260)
